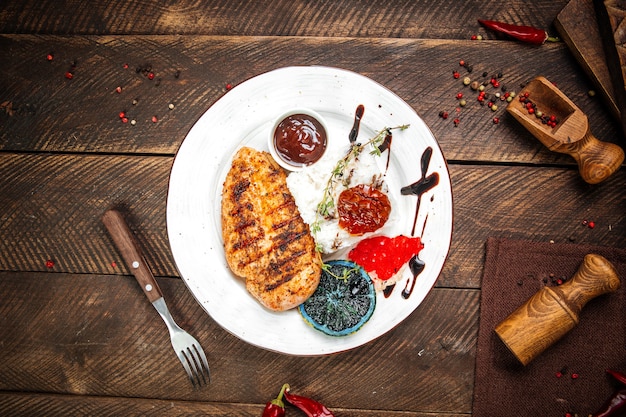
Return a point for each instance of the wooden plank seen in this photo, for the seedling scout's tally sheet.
(353, 18)
(541, 204)
(609, 15)
(52, 205)
(578, 27)
(27, 405)
(97, 335)
(54, 114)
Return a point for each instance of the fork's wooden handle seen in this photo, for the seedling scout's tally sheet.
(597, 160)
(129, 249)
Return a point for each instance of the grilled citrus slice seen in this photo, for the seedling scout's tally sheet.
(344, 300)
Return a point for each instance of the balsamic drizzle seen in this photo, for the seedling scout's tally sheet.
(354, 132)
(419, 188)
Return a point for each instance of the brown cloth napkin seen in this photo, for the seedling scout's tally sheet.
(514, 271)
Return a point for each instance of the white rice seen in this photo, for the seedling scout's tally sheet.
(307, 187)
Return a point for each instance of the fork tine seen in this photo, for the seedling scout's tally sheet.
(183, 359)
(194, 357)
(202, 356)
(192, 360)
(194, 376)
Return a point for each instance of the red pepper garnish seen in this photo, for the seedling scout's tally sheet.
(310, 407)
(615, 405)
(526, 34)
(276, 407)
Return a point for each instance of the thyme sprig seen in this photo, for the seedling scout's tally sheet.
(326, 207)
(345, 273)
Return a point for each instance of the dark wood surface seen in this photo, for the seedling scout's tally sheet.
(578, 26)
(80, 338)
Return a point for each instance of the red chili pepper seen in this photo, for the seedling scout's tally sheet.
(526, 34)
(619, 376)
(614, 406)
(276, 407)
(310, 407)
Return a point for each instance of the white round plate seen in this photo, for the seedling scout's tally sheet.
(242, 117)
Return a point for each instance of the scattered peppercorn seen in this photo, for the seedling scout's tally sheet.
(154, 119)
(229, 87)
(486, 95)
(49, 264)
(50, 56)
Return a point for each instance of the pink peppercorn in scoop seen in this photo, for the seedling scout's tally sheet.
(298, 139)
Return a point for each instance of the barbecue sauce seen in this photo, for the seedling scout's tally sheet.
(300, 139)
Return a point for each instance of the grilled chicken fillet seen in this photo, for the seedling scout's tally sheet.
(265, 239)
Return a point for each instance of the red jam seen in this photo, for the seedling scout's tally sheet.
(385, 255)
(300, 140)
(362, 209)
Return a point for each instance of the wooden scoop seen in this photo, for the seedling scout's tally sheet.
(596, 160)
(553, 311)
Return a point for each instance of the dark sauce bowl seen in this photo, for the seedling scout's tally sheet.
(298, 139)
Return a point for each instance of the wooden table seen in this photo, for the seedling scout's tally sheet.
(77, 337)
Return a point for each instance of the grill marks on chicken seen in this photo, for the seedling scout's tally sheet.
(265, 239)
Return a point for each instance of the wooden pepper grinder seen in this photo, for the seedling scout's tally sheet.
(553, 311)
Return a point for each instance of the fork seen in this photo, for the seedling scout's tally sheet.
(187, 348)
